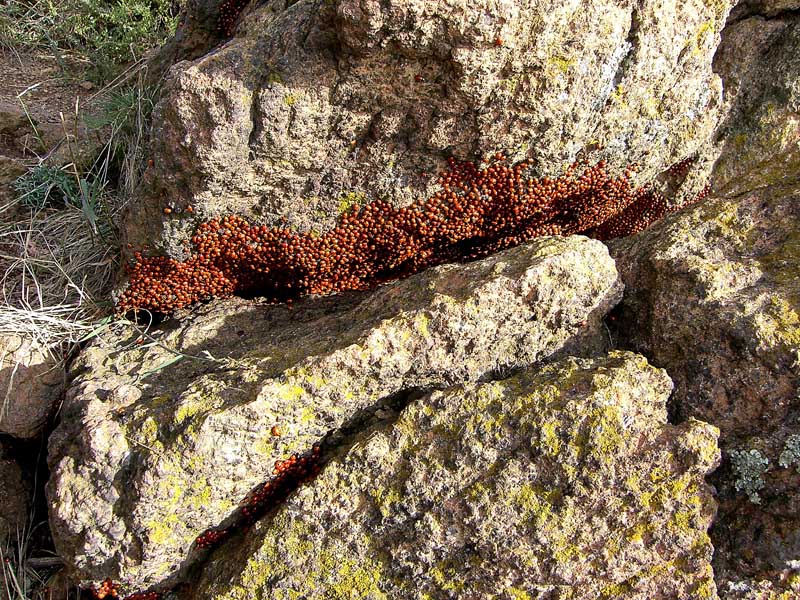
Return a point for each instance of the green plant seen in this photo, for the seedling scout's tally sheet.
(121, 108)
(58, 260)
(105, 34)
(45, 185)
(123, 113)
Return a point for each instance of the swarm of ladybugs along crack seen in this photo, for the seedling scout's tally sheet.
(475, 213)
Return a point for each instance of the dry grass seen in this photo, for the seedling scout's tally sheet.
(59, 250)
(20, 579)
(55, 276)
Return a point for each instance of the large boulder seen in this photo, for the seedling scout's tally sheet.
(558, 482)
(318, 104)
(163, 433)
(713, 296)
(31, 384)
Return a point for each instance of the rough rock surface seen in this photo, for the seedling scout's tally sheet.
(317, 104)
(31, 384)
(152, 451)
(197, 32)
(770, 9)
(558, 482)
(759, 62)
(14, 499)
(713, 296)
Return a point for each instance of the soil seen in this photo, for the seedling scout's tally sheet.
(38, 84)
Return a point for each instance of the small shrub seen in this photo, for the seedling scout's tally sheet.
(105, 33)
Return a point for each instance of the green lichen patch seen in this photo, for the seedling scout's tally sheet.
(749, 467)
(790, 456)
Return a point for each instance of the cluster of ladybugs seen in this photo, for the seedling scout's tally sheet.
(109, 589)
(288, 474)
(476, 212)
(681, 169)
(229, 11)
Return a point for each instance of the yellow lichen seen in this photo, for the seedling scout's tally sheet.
(384, 499)
(348, 200)
(548, 438)
(518, 594)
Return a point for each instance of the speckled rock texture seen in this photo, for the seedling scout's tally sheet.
(713, 296)
(31, 385)
(14, 500)
(317, 104)
(558, 482)
(152, 450)
(759, 62)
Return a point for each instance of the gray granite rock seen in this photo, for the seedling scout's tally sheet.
(152, 450)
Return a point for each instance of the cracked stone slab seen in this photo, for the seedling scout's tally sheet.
(558, 482)
(152, 450)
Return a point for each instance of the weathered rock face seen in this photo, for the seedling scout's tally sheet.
(31, 383)
(197, 32)
(14, 498)
(713, 296)
(759, 61)
(316, 104)
(152, 451)
(564, 481)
